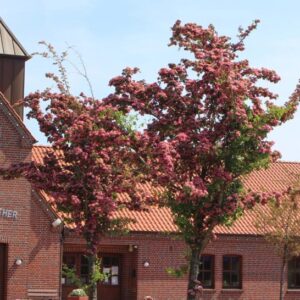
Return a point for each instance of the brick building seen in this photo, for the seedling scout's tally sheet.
(238, 264)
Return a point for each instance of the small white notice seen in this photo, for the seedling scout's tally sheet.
(114, 270)
(114, 280)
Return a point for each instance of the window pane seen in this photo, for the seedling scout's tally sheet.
(84, 270)
(106, 261)
(235, 263)
(207, 279)
(201, 277)
(234, 279)
(226, 279)
(294, 273)
(291, 265)
(115, 261)
(84, 260)
(111, 268)
(231, 271)
(207, 263)
(235, 285)
(226, 263)
(206, 271)
(297, 279)
(84, 279)
(69, 260)
(291, 283)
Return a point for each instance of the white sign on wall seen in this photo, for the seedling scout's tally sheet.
(8, 213)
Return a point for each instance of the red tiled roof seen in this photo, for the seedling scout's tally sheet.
(277, 177)
(39, 152)
(155, 219)
(243, 225)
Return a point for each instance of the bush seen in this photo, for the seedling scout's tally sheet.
(78, 292)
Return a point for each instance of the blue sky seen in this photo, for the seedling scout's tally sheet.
(111, 35)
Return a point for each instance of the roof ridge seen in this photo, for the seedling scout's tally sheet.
(15, 40)
(287, 162)
(44, 146)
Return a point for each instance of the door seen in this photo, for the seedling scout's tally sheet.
(3, 264)
(110, 289)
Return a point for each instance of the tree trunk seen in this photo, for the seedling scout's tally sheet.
(193, 273)
(282, 269)
(92, 258)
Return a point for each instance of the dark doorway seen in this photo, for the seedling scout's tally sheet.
(3, 264)
(111, 286)
(111, 264)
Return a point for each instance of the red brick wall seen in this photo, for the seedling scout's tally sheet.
(44, 256)
(260, 270)
(29, 236)
(160, 251)
(260, 267)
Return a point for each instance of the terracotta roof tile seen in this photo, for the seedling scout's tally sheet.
(154, 220)
(39, 152)
(277, 177)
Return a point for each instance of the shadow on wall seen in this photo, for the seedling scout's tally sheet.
(42, 234)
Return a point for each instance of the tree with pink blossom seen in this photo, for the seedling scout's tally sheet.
(208, 127)
(89, 163)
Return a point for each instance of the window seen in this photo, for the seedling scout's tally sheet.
(232, 275)
(79, 263)
(70, 261)
(206, 271)
(294, 273)
(84, 269)
(111, 266)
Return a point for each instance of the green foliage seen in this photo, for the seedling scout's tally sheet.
(119, 226)
(96, 276)
(70, 273)
(279, 222)
(229, 220)
(177, 272)
(127, 122)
